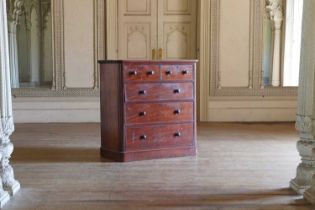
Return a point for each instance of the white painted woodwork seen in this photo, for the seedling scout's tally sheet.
(137, 31)
(79, 43)
(146, 25)
(35, 51)
(237, 102)
(306, 104)
(14, 14)
(14, 64)
(7, 180)
(275, 9)
(251, 109)
(56, 109)
(177, 25)
(234, 52)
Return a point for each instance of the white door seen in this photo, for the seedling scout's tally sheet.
(177, 28)
(137, 28)
(167, 27)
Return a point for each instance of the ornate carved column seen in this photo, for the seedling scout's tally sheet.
(14, 13)
(306, 102)
(274, 7)
(8, 183)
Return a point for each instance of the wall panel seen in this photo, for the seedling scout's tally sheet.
(79, 43)
(234, 52)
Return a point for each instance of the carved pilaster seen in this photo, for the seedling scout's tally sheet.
(7, 180)
(274, 7)
(306, 103)
(15, 10)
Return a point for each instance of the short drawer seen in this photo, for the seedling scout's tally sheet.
(158, 91)
(158, 137)
(177, 72)
(141, 73)
(140, 113)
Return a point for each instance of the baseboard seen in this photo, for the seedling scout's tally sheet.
(56, 110)
(254, 110)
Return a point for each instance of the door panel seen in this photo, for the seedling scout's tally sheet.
(177, 26)
(137, 7)
(177, 7)
(137, 25)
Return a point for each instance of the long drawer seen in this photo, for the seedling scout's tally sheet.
(159, 91)
(158, 137)
(142, 113)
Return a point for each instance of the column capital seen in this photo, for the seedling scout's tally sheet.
(275, 10)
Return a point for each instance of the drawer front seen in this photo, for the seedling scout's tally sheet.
(141, 73)
(159, 112)
(153, 91)
(177, 72)
(148, 138)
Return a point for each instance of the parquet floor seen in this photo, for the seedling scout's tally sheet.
(238, 167)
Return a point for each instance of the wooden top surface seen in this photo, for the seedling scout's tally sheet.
(147, 61)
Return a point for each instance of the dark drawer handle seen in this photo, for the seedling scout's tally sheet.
(150, 73)
(133, 73)
(185, 72)
(142, 92)
(142, 114)
(177, 111)
(168, 72)
(143, 137)
(177, 91)
(177, 134)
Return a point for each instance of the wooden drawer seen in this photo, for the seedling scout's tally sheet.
(177, 72)
(159, 112)
(157, 91)
(158, 137)
(141, 73)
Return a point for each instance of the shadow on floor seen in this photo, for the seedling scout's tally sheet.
(44, 155)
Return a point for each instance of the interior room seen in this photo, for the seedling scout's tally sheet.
(157, 104)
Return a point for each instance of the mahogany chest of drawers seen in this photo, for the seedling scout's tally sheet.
(148, 109)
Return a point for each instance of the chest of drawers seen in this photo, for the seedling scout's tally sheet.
(148, 109)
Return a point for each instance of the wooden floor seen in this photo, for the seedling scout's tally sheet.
(239, 167)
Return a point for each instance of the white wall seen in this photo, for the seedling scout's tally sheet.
(232, 83)
(61, 109)
(235, 66)
(79, 43)
(79, 53)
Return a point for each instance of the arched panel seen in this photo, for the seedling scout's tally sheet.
(137, 44)
(177, 43)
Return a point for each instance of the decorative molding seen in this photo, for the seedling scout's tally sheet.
(188, 11)
(111, 29)
(58, 84)
(15, 10)
(138, 33)
(99, 39)
(255, 87)
(147, 12)
(183, 28)
(204, 18)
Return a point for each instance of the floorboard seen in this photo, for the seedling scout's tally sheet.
(238, 167)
